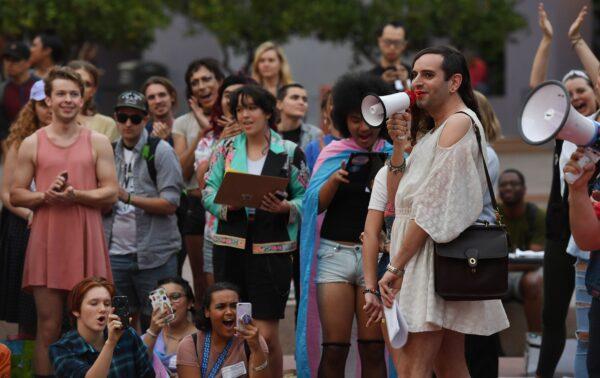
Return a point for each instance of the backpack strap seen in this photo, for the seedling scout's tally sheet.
(195, 338)
(149, 153)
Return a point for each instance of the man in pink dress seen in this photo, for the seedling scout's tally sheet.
(74, 176)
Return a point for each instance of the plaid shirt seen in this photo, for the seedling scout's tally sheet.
(72, 356)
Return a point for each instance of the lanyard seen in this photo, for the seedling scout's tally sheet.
(206, 354)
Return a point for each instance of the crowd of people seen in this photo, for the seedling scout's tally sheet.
(103, 206)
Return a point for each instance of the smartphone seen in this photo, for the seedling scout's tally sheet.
(160, 300)
(243, 314)
(65, 176)
(121, 305)
(363, 166)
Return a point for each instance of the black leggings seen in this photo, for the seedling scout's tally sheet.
(559, 282)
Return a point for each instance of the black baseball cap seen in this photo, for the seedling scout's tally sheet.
(132, 99)
(17, 51)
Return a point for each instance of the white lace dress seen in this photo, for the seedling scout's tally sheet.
(442, 191)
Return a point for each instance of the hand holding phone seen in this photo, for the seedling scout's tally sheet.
(121, 305)
(161, 301)
(243, 314)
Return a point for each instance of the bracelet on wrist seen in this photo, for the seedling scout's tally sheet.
(395, 169)
(371, 291)
(397, 271)
(262, 366)
(128, 198)
(151, 333)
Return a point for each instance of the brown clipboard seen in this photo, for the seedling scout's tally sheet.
(246, 190)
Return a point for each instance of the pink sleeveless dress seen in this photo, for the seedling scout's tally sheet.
(67, 242)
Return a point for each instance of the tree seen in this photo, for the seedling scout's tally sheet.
(241, 25)
(123, 23)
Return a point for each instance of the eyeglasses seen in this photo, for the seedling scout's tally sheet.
(175, 297)
(394, 42)
(135, 118)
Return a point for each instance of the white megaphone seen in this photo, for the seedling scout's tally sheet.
(548, 114)
(375, 109)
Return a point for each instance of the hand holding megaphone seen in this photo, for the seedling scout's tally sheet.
(582, 162)
(398, 127)
(548, 114)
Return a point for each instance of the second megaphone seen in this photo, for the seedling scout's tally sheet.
(375, 109)
(548, 114)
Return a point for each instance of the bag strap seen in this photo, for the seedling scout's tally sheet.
(485, 168)
(195, 338)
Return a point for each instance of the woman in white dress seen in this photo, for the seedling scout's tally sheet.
(440, 191)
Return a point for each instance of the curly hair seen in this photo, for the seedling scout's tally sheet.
(210, 64)
(26, 124)
(348, 92)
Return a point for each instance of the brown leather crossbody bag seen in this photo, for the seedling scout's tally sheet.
(474, 266)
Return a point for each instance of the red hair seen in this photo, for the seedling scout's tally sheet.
(80, 290)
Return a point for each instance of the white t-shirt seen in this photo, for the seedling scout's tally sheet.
(123, 241)
(255, 167)
(379, 193)
(187, 126)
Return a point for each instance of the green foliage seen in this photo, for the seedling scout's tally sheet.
(120, 23)
(241, 25)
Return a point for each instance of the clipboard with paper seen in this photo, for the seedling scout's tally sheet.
(246, 190)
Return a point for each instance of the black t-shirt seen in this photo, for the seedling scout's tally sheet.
(347, 212)
(292, 135)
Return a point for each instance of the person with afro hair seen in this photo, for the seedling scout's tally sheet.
(336, 245)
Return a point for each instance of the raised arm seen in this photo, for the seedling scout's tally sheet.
(585, 225)
(106, 173)
(539, 69)
(586, 56)
(398, 128)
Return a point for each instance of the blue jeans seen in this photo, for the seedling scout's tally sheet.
(583, 301)
(135, 283)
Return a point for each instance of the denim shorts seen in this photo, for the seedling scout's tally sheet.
(583, 303)
(135, 283)
(339, 263)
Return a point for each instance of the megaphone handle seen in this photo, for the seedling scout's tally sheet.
(589, 156)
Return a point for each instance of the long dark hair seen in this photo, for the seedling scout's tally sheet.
(454, 63)
(202, 322)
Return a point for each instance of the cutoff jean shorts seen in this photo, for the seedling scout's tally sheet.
(339, 263)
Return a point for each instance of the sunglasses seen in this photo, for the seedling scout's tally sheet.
(135, 118)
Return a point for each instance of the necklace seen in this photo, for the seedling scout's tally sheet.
(178, 339)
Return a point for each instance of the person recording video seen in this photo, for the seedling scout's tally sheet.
(101, 345)
(220, 345)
